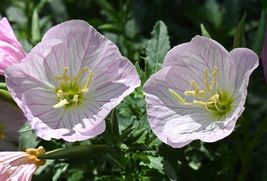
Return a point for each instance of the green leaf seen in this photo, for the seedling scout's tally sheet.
(76, 175)
(109, 10)
(157, 48)
(257, 46)
(75, 151)
(27, 138)
(204, 31)
(154, 163)
(36, 35)
(239, 37)
(61, 170)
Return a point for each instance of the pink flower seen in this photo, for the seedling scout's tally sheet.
(199, 93)
(11, 120)
(264, 56)
(11, 51)
(20, 166)
(70, 82)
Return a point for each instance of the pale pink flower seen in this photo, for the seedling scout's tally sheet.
(20, 165)
(11, 51)
(199, 93)
(11, 120)
(70, 82)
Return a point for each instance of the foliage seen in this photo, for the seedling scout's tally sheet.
(128, 150)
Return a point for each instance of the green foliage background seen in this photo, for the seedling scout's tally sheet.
(144, 31)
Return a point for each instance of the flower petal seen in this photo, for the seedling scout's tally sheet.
(161, 106)
(246, 61)
(11, 51)
(202, 53)
(29, 73)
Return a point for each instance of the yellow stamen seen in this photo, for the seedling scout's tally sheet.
(65, 77)
(34, 154)
(214, 77)
(177, 96)
(60, 94)
(88, 82)
(206, 77)
(75, 99)
(81, 73)
(60, 104)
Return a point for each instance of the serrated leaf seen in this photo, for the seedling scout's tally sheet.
(154, 163)
(157, 48)
(258, 42)
(239, 37)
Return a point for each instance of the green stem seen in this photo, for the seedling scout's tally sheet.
(246, 156)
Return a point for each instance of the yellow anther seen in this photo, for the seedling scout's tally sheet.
(34, 154)
(88, 82)
(75, 99)
(195, 86)
(81, 72)
(177, 96)
(60, 94)
(64, 77)
(206, 78)
(60, 104)
(214, 77)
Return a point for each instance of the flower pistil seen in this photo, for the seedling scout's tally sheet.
(71, 90)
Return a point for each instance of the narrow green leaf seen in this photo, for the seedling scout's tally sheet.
(260, 34)
(204, 31)
(157, 48)
(115, 124)
(36, 35)
(239, 37)
(75, 151)
(109, 10)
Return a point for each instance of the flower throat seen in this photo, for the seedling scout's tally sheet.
(218, 103)
(71, 91)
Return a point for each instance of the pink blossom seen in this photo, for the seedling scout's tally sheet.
(199, 93)
(70, 82)
(11, 51)
(20, 165)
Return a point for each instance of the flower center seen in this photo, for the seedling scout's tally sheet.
(218, 103)
(72, 90)
(34, 154)
(2, 131)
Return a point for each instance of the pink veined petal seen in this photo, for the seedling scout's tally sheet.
(161, 106)
(201, 53)
(29, 73)
(3, 173)
(176, 124)
(11, 51)
(246, 62)
(79, 45)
